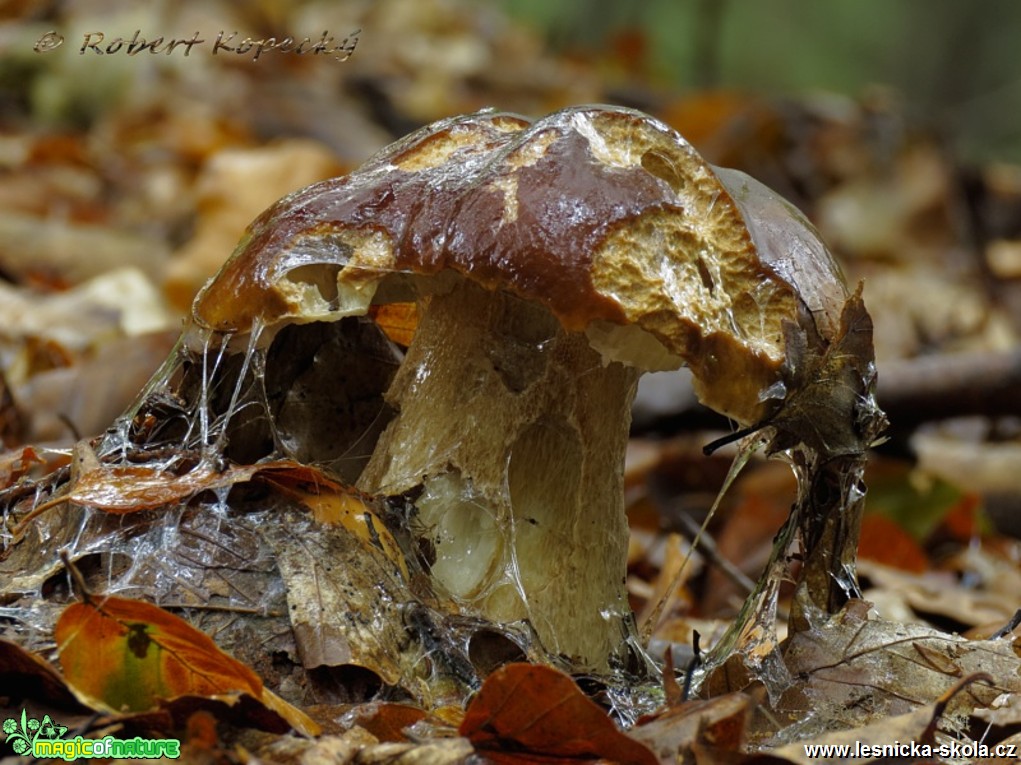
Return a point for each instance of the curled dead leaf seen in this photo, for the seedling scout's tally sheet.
(530, 713)
(33, 677)
(127, 655)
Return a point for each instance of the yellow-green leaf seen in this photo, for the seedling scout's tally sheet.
(127, 655)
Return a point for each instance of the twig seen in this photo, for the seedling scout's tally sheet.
(910, 391)
(708, 548)
(913, 391)
(1007, 628)
(248, 610)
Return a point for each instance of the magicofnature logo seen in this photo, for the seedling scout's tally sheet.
(45, 739)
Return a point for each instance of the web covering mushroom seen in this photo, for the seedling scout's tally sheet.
(458, 327)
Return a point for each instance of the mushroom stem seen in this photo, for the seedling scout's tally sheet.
(511, 432)
(828, 514)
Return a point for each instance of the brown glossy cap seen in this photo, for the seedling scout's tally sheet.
(604, 215)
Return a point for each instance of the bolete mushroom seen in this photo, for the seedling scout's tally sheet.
(550, 263)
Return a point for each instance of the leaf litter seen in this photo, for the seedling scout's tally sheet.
(203, 550)
(335, 555)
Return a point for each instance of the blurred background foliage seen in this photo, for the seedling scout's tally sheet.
(125, 182)
(955, 64)
(892, 125)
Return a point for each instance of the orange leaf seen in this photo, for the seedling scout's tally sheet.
(130, 488)
(126, 655)
(529, 713)
(127, 489)
(334, 504)
(397, 320)
(883, 541)
(129, 654)
(13, 465)
(962, 520)
(387, 721)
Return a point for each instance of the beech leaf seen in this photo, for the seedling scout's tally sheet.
(127, 655)
(32, 676)
(530, 713)
(130, 488)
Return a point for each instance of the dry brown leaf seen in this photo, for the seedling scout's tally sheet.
(530, 714)
(14, 464)
(854, 670)
(718, 723)
(902, 728)
(42, 245)
(450, 751)
(129, 488)
(343, 597)
(1005, 711)
(33, 677)
(916, 736)
(86, 396)
(387, 722)
(668, 593)
(942, 594)
(235, 185)
(132, 488)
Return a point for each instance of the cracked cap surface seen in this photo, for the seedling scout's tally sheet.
(604, 215)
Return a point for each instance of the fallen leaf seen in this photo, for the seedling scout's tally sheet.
(234, 185)
(200, 731)
(126, 489)
(387, 722)
(747, 536)
(669, 594)
(448, 751)
(719, 723)
(13, 465)
(917, 507)
(397, 320)
(115, 289)
(127, 655)
(906, 728)
(332, 503)
(891, 738)
(932, 593)
(527, 713)
(884, 541)
(92, 391)
(330, 749)
(242, 710)
(131, 488)
(342, 595)
(12, 421)
(896, 667)
(1005, 711)
(33, 677)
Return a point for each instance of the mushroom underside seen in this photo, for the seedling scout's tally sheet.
(510, 435)
(501, 435)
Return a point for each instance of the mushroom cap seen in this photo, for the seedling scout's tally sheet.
(604, 215)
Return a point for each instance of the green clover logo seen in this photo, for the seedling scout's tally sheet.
(20, 741)
(31, 729)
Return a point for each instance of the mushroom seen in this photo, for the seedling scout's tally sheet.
(549, 264)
